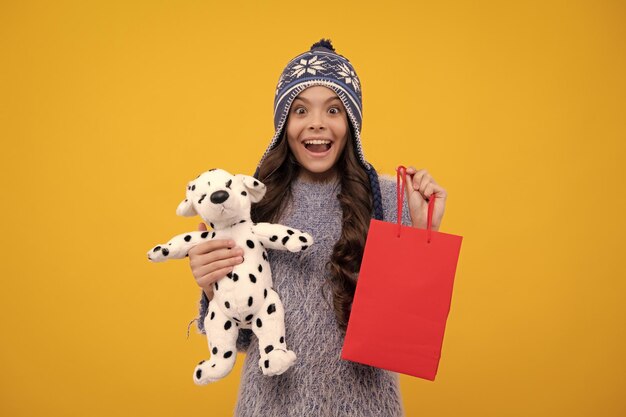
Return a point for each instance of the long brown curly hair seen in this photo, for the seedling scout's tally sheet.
(277, 172)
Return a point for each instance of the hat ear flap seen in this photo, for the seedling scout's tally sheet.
(256, 189)
(186, 209)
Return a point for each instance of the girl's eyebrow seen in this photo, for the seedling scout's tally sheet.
(307, 101)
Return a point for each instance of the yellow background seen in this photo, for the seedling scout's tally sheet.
(108, 108)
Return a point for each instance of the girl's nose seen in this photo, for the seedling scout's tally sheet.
(317, 121)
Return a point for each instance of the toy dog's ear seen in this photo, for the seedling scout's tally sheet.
(255, 188)
(185, 208)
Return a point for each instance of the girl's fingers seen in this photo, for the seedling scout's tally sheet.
(417, 176)
(426, 179)
(214, 276)
(222, 254)
(208, 259)
(202, 227)
(211, 246)
(433, 188)
(428, 190)
(441, 193)
(218, 265)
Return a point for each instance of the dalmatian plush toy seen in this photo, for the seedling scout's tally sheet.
(244, 298)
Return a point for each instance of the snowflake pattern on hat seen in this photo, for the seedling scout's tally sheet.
(350, 76)
(310, 66)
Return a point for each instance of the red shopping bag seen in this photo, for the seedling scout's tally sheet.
(403, 296)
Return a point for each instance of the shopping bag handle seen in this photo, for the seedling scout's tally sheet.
(400, 193)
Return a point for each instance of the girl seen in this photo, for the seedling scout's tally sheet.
(318, 181)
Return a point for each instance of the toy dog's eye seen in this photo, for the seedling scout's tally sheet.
(228, 183)
(193, 187)
(209, 183)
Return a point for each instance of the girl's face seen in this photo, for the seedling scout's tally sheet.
(317, 132)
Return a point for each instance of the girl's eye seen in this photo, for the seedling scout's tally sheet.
(336, 110)
(297, 110)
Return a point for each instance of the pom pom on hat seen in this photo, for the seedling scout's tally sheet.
(323, 43)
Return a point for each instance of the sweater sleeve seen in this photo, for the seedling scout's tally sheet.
(243, 339)
(390, 206)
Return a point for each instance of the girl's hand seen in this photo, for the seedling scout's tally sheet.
(211, 261)
(420, 187)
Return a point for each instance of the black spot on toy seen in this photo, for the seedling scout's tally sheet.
(271, 308)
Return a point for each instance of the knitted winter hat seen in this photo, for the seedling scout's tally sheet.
(323, 66)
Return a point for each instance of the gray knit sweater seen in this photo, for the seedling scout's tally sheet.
(320, 383)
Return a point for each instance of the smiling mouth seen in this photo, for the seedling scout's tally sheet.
(317, 145)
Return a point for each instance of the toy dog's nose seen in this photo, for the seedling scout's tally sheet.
(219, 197)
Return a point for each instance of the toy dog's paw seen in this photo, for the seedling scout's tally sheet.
(211, 371)
(296, 242)
(159, 253)
(306, 240)
(276, 362)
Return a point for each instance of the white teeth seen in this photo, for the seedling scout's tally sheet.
(316, 142)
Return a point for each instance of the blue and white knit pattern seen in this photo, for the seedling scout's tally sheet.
(319, 66)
